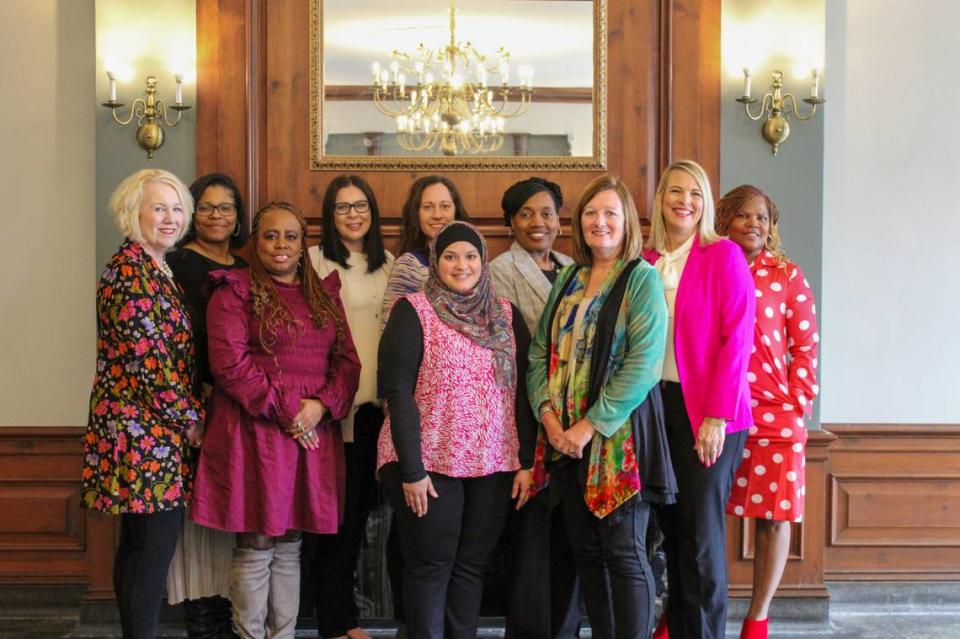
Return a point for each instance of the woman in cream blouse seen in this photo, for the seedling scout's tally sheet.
(352, 244)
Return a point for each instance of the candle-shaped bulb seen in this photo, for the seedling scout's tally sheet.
(179, 98)
(815, 89)
(746, 82)
(113, 85)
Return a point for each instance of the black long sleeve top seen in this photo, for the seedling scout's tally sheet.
(399, 357)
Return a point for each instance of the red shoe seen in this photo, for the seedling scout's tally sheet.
(754, 629)
(662, 632)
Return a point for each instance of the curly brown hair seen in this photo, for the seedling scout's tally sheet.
(731, 204)
(269, 307)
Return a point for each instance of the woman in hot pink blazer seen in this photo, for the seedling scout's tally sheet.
(706, 395)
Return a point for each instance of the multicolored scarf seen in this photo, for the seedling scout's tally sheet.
(612, 472)
(477, 315)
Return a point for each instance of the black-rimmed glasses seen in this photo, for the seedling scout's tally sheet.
(342, 209)
(227, 209)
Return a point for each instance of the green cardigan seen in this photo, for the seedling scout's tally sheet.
(638, 347)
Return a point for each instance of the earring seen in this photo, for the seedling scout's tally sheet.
(236, 230)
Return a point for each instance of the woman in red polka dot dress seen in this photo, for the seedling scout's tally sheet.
(769, 482)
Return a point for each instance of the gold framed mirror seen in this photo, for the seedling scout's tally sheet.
(528, 78)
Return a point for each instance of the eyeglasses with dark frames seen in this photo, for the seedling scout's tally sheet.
(362, 207)
(227, 209)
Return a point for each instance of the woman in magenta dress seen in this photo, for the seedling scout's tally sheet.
(285, 372)
(769, 482)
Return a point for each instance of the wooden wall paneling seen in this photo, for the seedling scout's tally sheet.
(894, 507)
(222, 100)
(804, 575)
(44, 535)
(695, 100)
(263, 137)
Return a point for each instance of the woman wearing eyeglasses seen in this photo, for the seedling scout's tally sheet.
(200, 567)
(352, 245)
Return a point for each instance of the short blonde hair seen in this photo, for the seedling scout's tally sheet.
(126, 199)
(632, 234)
(658, 230)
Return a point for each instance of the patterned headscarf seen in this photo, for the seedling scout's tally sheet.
(477, 315)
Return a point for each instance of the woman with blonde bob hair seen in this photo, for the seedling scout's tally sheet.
(706, 396)
(594, 366)
(143, 406)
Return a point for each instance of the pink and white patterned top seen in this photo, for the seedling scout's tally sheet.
(467, 420)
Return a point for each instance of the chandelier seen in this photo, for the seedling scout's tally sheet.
(450, 105)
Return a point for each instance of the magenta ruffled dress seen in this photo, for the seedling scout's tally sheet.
(252, 476)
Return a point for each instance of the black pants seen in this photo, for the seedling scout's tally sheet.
(695, 528)
(335, 565)
(544, 600)
(446, 551)
(147, 543)
(615, 576)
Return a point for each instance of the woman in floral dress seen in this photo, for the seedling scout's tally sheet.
(769, 482)
(142, 407)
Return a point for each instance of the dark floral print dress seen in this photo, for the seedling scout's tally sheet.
(143, 398)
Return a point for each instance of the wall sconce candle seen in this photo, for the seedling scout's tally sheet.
(777, 107)
(150, 111)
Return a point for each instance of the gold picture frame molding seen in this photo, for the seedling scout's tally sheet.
(595, 162)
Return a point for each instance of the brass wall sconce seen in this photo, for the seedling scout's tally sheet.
(777, 106)
(151, 112)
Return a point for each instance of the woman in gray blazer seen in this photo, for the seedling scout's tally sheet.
(544, 597)
(525, 273)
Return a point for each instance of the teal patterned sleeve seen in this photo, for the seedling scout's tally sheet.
(537, 389)
(646, 338)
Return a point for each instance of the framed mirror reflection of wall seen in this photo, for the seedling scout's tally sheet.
(458, 85)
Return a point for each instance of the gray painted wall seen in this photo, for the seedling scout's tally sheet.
(46, 178)
(794, 178)
(147, 52)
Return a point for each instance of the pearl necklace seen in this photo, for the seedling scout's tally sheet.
(165, 269)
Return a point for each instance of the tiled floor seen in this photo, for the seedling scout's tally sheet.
(859, 611)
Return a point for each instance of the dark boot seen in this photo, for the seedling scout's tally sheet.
(205, 617)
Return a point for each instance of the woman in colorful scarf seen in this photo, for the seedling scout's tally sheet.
(594, 366)
(144, 406)
(783, 382)
(285, 372)
(706, 397)
(544, 598)
(458, 440)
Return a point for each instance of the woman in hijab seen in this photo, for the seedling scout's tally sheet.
(458, 440)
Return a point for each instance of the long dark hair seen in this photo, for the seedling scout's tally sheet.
(269, 307)
(332, 245)
(413, 238)
(201, 184)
